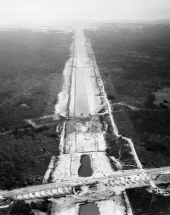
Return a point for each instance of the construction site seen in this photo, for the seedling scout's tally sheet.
(84, 179)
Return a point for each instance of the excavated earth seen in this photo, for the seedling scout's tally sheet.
(87, 133)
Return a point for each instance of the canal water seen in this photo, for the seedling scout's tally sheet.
(85, 169)
(94, 188)
(82, 104)
(89, 209)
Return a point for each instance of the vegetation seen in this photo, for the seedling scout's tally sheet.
(144, 202)
(133, 60)
(31, 75)
(31, 72)
(25, 156)
(20, 208)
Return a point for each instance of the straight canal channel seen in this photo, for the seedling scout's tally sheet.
(83, 110)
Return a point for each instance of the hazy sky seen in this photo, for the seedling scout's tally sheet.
(19, 10)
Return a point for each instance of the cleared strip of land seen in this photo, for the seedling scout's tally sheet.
(87, 128)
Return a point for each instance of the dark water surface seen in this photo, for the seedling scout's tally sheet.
(94, 188)
(89, 209)
(85, 169)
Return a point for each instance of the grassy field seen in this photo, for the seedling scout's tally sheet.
(31, 69)
(133, 60)
(31, 78)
